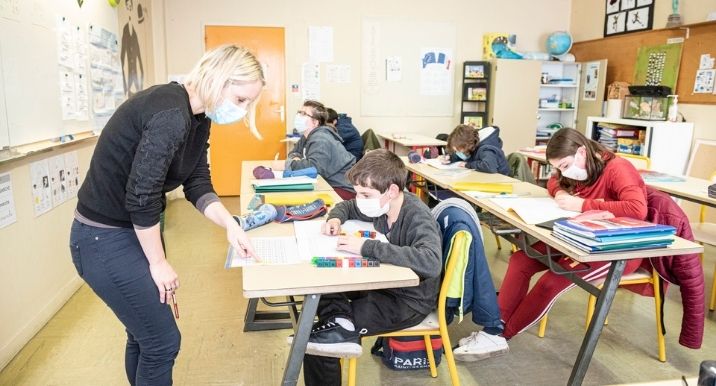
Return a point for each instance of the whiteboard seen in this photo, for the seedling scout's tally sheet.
(29, 70)
(426, 54)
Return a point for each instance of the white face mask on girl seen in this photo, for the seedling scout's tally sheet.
(371, 206)
(575, 172)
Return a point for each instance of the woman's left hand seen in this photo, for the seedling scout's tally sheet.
(569, 202)
(350, 244)
(238, 239)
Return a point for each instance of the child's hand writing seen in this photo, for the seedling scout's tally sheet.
(568, 202)
(444, 159)
(350, 244)
(331, 227)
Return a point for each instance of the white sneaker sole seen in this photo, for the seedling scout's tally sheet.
(474, 357)
(333, 350)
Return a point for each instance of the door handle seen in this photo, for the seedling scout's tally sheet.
(282, 112)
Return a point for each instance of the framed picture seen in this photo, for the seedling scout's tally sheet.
(476, 120)
(475, 92)
(474, 71)
(624, 16)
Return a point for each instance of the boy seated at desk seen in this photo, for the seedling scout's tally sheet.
(414, 242)
(321, 147)
(343, 125)
(479, 149)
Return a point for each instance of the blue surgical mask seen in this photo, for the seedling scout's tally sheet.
(300, 123)
(226, 113)
(462, 155)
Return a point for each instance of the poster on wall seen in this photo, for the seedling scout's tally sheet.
(7, 203)
(592, 81)
(658, 65)
(58, 180)
(41, 193)
(436, 71)
(625, 16)
(311, 79)
(72, 174)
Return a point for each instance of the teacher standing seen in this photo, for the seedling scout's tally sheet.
(154, 142)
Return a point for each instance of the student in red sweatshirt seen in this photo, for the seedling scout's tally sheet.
(587, 177)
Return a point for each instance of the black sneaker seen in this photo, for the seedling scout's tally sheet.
(330, 339)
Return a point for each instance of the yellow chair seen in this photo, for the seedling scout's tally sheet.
(705, 233)
(640, 162)
(640, 276)
(435, 323)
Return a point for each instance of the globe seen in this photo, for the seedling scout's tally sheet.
(559, 43)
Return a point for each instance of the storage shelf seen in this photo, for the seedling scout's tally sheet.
(555, 109)
(559, 85)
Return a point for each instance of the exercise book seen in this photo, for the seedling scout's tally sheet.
(270, 250)
(534, 210)
(312, 243)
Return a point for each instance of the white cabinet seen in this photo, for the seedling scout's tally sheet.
(667, 144)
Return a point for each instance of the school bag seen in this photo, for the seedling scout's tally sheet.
(407, 352)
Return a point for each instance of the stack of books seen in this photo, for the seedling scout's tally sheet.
(611, 134)
(613, 235)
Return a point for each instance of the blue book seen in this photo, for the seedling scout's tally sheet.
(612, 227)
(632, 246)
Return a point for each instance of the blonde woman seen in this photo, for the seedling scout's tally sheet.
(154, 142)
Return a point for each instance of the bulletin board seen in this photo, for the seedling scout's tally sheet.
(621, 52)
(29, 71)
(408, 68)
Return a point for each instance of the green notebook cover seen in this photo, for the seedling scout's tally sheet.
(284, 188)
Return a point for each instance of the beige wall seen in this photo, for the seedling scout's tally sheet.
(37, 275)
(185, 21)
(586, 26)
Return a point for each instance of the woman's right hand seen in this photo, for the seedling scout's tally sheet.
(332, 227)
(164, 278)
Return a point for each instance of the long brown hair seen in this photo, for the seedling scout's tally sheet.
(463, 137)
(565, 143)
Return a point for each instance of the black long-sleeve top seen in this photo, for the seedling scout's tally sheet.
(152, 144)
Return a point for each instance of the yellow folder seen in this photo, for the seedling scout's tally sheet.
(295, 198)
(490, 187)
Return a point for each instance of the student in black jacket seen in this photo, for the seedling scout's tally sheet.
(477, 149)
(154, 142)
(343, 125)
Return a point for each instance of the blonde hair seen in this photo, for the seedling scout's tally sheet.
(221, 66)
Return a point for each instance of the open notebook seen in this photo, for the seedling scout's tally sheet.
(534, 210)
(307, 243)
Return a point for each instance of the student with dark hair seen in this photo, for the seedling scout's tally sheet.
(587, 177)
(320, 147)
(343, 125)
(477, 149)
(414, 241)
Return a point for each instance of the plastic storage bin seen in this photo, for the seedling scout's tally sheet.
(650, 108)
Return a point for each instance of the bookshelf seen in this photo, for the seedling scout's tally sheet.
(667, 144)
(475, 93)
(558, 98)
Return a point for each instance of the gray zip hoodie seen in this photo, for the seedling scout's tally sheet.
(323, 149)
(414, 242)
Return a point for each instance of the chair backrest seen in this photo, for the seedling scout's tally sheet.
(640, 162)
(370, 141)
(458, 244)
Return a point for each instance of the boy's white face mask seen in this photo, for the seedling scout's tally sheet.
(371, 206)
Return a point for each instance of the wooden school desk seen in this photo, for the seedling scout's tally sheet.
(693, 189)
(311, 282)
(415, 142)
(556, 247)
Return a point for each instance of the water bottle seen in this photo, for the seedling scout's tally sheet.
(263, 215)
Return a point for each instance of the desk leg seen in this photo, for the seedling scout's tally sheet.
(604, 302)
(300, 340)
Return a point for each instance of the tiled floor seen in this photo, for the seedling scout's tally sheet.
(83, 343)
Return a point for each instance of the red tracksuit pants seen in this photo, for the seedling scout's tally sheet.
(520, 308)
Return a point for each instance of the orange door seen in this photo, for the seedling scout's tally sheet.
(231, 144)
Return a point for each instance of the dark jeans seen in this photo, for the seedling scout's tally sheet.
(372, 313)
(112, 262)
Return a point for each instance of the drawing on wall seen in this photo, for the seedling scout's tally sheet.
(41, 193)
(131, 56)
(658, 65)
(592, 81)
(624, 16)
(58, 180)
